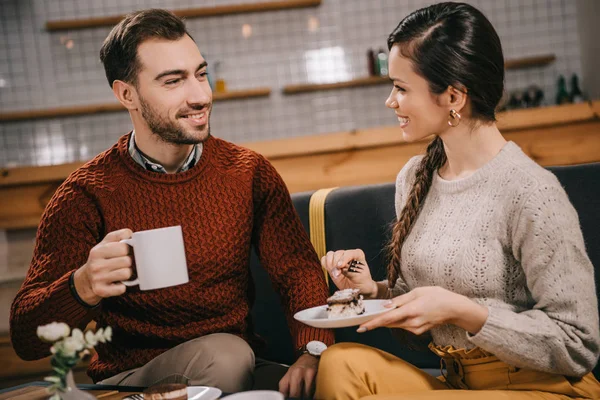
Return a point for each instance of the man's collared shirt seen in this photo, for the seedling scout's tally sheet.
(142, 160)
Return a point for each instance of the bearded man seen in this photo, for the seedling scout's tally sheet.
(168, 171)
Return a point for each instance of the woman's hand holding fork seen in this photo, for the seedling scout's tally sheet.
(349, 270)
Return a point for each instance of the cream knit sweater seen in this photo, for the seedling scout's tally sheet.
(508, 238)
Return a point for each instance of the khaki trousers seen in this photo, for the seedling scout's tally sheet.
(354, 371)
(220, 360)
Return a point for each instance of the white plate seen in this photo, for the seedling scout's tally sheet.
(203, 393)
(317, 316)
(255, 395)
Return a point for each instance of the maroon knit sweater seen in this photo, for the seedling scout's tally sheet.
(230, 200)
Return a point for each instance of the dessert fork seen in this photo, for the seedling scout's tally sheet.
(355, 266)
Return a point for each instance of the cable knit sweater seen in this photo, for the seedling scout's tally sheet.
(508, 238)
(231, 199)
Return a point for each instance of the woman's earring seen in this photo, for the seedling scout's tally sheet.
(454, 119)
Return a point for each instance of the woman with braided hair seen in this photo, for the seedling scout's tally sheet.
(486, 255)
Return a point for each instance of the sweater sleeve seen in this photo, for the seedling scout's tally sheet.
(67, 231)
(286, 253)
(559, 333)
(404, 182)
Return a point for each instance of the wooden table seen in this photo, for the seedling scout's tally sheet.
(39, 391)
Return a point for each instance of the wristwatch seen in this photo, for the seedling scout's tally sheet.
(314, 348)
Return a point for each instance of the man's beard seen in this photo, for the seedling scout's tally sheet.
(169, 131)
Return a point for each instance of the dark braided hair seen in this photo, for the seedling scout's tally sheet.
(434, 158)
(449, 44)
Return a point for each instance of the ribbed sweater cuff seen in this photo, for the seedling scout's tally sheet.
(489, 335)
(76, 295)
(308, 333)
(65, 302)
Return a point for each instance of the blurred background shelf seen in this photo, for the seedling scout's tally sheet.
(313, 87)
(546, 116)
(518, 63)
(243, 94)
(529, 62)
(113, 107)
(188, 13)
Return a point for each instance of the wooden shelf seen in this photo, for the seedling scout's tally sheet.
(313, 87)
(188, 13)
(242, 94)
(528, 62)
(113, 107)
(377, 80)
(545, 116)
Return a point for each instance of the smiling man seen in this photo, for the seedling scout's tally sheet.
(168, 171)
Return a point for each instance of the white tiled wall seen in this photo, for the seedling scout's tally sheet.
(37, 70)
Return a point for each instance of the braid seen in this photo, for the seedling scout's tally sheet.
(434, 158)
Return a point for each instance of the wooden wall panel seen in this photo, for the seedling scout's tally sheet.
(22, 206)
(352, 167)
(562, 145)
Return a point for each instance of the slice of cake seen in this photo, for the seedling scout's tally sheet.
(345, 303)
(167, 391)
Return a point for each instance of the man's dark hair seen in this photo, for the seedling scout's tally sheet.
(119, 50)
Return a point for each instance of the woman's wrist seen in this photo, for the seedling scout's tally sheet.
(468, 315)
(373, 292)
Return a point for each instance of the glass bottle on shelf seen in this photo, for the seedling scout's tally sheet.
(372, 63)
(576, 93)
(382, 63)
(562, 97)
(220, 85)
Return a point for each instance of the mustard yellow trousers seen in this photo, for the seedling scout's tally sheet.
(349, 371)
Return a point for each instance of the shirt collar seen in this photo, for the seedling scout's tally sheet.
(142, 160)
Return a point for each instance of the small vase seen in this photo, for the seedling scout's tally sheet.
(72, 392)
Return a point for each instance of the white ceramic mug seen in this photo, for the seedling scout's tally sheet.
(159, 258)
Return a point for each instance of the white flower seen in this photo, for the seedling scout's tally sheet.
(72, 345)
(78, 335)
(108, 333)
(53, 331)
(91, 339)
(100, 335)
(68, 350)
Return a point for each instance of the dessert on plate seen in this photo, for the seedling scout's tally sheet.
(345, 303)
(168, 391)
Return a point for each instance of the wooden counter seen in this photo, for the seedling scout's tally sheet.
(559, 135)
